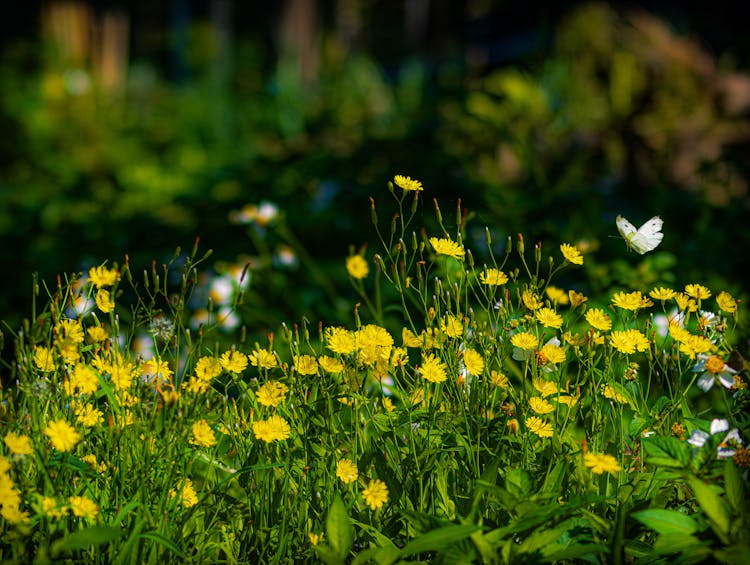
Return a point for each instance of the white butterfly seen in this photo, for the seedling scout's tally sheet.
(643, 239)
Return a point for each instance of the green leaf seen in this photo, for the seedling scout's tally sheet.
(735, 489)
(439, 539)
(82, 539)
(379, 555)
(339, 528)
(553, 481)
(666, 521)
(681, 543)
(666, 451)
(712, 504)
(164, 542)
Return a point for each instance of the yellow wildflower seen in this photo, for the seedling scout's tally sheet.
(407, 183)
(697, 291)
(571, 254)
(101, 276)
(346, 471)
(357, 267)
(539, 427)
(725, 301)
(598, 319)
(443, 246)
(376, 494)
(549, 318)
(432, 369)
(493, 277)
(601, 463)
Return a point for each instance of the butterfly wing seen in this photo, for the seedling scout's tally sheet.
(648, 236)
(625, 228)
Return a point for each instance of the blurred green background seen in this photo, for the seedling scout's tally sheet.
(135, 127)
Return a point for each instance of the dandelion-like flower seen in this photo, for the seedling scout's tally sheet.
(432, 369)
(473, 362)
(571, 254)
(207, 368)
(330, 365)
(306, 364)
(539, 427)
(557, 295)
(443, 246)
(83, 507)
(272, 394)
(43, 359)
(493, 277)
(234, 361)
(540, 406)
(19, 444)
(340, 340)
(63, 436)
(101, 276)
(524, 340)
(203, 435)
(376, 494)
(697, 291)
(346, 471)
(725, 301)
(598, 319)
(357, 267)
(631, 300)
(188, 496)
(629, 341)
(84, 379)
(408, 184)
(531, 300)
(552, 353)
(662, 293)
(601, 463)
(273, 429)
(97, 333)
(453, 326)
(549, 318)
(104, 301)
(263, 359)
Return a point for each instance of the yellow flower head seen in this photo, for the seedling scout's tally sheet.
(203, 435)
(447, 247)
(571, 254)
(601, 463)
(551, 353)
(101, 276)
(83, 507)
(629, 341)
(576, 298)
(599, 319)
(188, 496)
(330, 364)
(408, 184)
(234, 361)
(557, 295)
(473, 362)
(493, 277)
(357, 267)
(662, 293)
(263, 359)
(346, 471)
(540, 406)
(544, 387)
(272, 393)
(531, 300)
(43, 359)
(104, 301)
(207, 368)
(524, 340)
(340, 340)
(726, 302)
(306, 364)
(376, 494)
(631, 300)
(18, 444)
(453, 326)
(62, 435)
(697, 291)
(539, 427)
(549, 318)
(273, 429)
(432, 369)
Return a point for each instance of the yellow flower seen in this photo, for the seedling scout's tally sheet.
(357, 267)
(207, 368)
(552, 353)
(203, 435)
(104, 301)
(549, 318)
(566, 399)
(52, 508)
(684, 302)
(272, 429)
(524, 340)
(263, 359)
(121, 373)
(272, 393)
(473, 362)
(374, 344)
(598, 319)
(306, 364)
(571, 254)
(447, 247)
(315, 539)
(661, 293)
(557, 295)
(91, 461)
(340, 340)
(83, 507)
(726, 302)
(43, 359)
(540, 406)
(330, 364)
(63, 436)
(101, 276)
(409, 339)
(18, 444)
(628, 341)
(346, 471)
(453, 327)
(530, 300)
(545, 388)
(576, 298)
(499, 379)
(376, 494)
(697, 291)
(97, 333)
(159, 369)
(631, 300)
(601, 463)
(188, 496)
(539, 427)
(70, 329)
(84, 379)
(612, 394)
(234, 361)
(493, 277)
(407, 183)
(432, 369)
(694, 345)
(87, 415)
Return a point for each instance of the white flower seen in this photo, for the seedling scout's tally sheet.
(712, 368)
(726, 448)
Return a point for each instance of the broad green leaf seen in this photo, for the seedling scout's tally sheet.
(577, 551)
(328, 555)
(379, 555)
(519, 482)
(665, 521)
(712, 504)
(735, 490)
(666, 451)
(339, 528)
(439, 539)
(681, 543)
(82, 539)
(553, 481)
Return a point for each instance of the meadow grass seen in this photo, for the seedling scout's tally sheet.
(473, 412)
